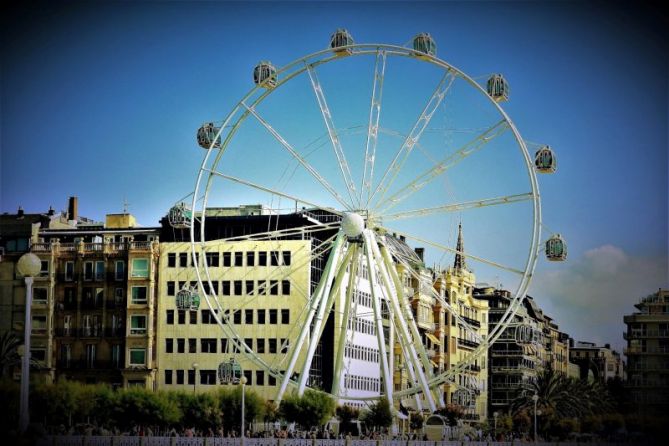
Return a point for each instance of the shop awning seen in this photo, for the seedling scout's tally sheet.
(433, 338)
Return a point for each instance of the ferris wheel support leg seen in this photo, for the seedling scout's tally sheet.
(315, 301)
(370, 240)
(406, 323)
(325, 305)
(410, 368)
(342, 329)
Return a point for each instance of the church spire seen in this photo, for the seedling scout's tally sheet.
(460, 263)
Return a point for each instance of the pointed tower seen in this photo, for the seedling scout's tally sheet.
(460, 263)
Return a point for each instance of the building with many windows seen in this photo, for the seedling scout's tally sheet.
(647, 353)
(600, 363)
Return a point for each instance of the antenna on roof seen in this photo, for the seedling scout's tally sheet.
(125, 205)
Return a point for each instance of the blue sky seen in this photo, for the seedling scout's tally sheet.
(102, 101)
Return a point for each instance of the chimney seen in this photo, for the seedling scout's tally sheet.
(20, 212)
(51, 211)
(420, 252)
(72, 209)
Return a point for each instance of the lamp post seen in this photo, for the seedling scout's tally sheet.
(242, 381)
(29, 266)
(495, 415)
(194, 366)
(535, 398)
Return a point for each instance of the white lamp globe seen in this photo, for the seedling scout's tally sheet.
(29, 265)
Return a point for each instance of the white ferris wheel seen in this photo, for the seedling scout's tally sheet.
(355, 153)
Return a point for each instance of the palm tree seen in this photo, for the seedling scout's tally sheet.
(9, 355)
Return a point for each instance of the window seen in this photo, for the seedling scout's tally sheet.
(227, 259)
(192, 345)
(90, 355)
(39, 324)
(237, 317)
(140, 268)
(183, 262)
(44, 268)
(238, 287)
(249, 288)
(272, 317)
(271, 381)
(169, 345)
(261, 316)
(88, 270)
(224, 345)
(40, 295)
(213, 259)
(191, 376)
(38, 354)
(181, 317)
(180, 376)
(192, 317)
(260, 346)
(275, 258)
(286, 258)
(208, 345)
(271, 342)
(119, 270)
(285, 287)
(250, 258)
(171, 291)
(239, 258)
(274, 287)
(99, 270)
(262, 258)
(262, 288)
(285, 316)
(137, 324)
(249, 376)
(181, 345)
(260, 378)
(208, 377)
(168, 376)
(139, 295)
(169, 316)
(69, 271)
(172, 260)
(284, 345)
(194, 260)
(117, 361)
(137, 356)
(225, 284)
(207, 317)
(248, 316)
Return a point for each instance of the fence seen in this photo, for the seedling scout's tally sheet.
(85, 440)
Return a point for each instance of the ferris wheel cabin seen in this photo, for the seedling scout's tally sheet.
(188, 300)
(264, 75)
(206, 136)
(498, 88)
(229, 372)
(556, 249)
(180, 216)
(544, 160)
(424, 43)
(341, 38)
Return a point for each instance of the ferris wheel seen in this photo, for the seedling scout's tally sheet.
(354, 155)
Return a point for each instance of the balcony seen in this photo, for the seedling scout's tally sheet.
(512, 353)
(118, 332)
(40, 247)
(92, 304)
(66, 332)
(638, 334)
(467, 343)
(90, 332)
(86, 364)
(66, 306)
(115, 304)
(647, 351)
(140, 246)
(472, 322)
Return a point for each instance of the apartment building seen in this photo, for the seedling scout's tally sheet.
(596, 362)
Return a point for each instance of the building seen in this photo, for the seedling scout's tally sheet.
(92, 309)
(647, 353)
(595, 362)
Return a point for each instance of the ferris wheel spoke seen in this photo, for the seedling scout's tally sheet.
(332, 132)
(373, 126)
(438, 169)
(507, 199)
(300, 159)
(272, 191)
(414, 136)
(455, 251)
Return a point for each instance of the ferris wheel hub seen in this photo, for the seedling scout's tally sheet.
(352, 224)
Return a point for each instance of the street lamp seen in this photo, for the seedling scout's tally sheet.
(29, 266)
(535, 398)
(194, 366)
(242, 381)
(495, 415)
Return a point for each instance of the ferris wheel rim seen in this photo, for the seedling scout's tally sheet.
(361, 50)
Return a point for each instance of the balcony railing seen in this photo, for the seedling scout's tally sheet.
(646, 351)
(467, 343)
(40, 247)
(637, 334)
(66, 332)
(472, 322)
(92, 304)
(90, 332)
(142, 246)
(88, 364)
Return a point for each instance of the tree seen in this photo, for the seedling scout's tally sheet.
(452, 412)
(346, 415)
(230, 401)
(378, 415)
(416, 421)
(138, 406)
(9, 356)
(201, 411)
(313, 409)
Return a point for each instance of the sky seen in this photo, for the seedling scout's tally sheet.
(102, 100)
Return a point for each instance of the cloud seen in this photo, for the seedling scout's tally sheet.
(589, 295)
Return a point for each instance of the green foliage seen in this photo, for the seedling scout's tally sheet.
(201, 411)
(452, 412)
(522, 421)
(144, 407)
(379, 415)
(504, 424)
(230, 401)
(9, 395)
(416, 421)
(9, 356)
(346, 415)
(313, 409)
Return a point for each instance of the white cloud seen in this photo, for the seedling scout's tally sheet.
(589, 296)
